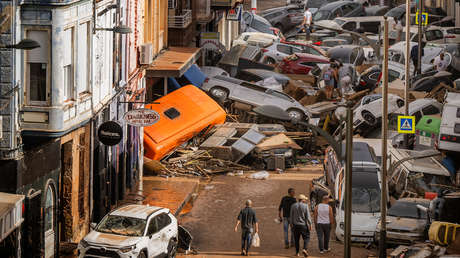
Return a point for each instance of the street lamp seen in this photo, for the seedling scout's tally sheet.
(121, 29)
(24, 44)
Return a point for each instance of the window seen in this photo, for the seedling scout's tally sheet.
(49, 209)
(337, 13)
(434, 35)
(312, 51)
(296, 50)
(260, 26)
(372, 27)
(453, 31)
(351, 26)
(153, 227)
(37, 68)
(285, 49)
(68, 41)
(418, 115)
(163, 221)
(430, 110)
(84, 47)
(346, 9)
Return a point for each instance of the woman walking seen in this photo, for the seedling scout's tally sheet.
(323, 220)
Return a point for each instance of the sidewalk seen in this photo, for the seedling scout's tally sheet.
(172, 193)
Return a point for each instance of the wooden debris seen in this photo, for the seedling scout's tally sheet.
(279, 141)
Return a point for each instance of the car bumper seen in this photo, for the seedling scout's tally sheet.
(357, 236)
(98, 251)
(401, 237)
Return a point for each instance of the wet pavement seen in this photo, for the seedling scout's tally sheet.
(213, 216)
(172, 193)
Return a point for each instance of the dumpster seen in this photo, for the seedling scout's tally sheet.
(427, 132)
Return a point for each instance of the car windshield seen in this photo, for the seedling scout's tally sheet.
(339, 21)
(424, 182)
(342, 55)
(121, 225)
(396, 12)
(365, 192)
(314, 3)
(321, 15)
(404, 209)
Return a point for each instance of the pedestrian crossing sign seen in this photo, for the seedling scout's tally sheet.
(406, 124)
(424, 18)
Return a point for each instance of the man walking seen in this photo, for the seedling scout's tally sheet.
(323, 218)
(306, 23)
(284, 213)
(248, 220)
(301, 221)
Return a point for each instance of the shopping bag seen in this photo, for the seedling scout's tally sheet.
(256, 240)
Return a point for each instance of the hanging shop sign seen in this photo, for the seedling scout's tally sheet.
(110, 133)
(209, 40)
(141, 117)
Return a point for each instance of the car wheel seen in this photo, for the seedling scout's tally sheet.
(295, 114)
(400, 102)
(172, 248)
(142, 255)
(219, 93)
(369, 117)
(270, 61)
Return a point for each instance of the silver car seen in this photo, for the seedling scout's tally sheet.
(223, 88)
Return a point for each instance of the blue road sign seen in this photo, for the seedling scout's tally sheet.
(406, 124)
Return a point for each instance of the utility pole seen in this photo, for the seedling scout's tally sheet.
(254, 6)
(419, 63)
(348, 175)
(407, 77)
(383, 199)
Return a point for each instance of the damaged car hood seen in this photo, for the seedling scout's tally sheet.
(105, 239)
(405, 224)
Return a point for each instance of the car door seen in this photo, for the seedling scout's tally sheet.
(278, 99)
(155, 244)
(166, 230)
(250, 94)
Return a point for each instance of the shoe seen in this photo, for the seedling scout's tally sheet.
(297, 254)
(305, 254)
(286, 246)
(242, 253)
(321, 252)
(328, 250)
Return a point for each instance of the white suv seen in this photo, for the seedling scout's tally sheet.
(132, 231)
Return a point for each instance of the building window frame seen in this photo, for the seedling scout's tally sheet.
(27, 70)
(68, 69)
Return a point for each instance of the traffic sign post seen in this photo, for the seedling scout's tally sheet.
(424, 18)
(406, 124)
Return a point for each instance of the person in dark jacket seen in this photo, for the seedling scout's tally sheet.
(247, 219)
(284, 213)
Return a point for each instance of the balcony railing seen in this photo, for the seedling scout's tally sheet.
(180, 21)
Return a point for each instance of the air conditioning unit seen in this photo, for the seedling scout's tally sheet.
(146, 53)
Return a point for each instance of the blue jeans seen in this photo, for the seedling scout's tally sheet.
(246, 238)
(286, 227)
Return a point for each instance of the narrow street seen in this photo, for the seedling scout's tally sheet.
(212, 219)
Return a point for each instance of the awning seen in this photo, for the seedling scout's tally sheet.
(10, 213)
(173, 62)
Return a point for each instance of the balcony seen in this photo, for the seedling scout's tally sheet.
(180, 21)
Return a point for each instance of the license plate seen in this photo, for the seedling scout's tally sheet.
(424, 140)
(362, 239)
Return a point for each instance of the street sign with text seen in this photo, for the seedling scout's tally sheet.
(141, 117)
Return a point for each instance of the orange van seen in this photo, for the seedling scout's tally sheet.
(184, 113)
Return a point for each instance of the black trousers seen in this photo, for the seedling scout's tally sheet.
(324, 233)
(301, 230)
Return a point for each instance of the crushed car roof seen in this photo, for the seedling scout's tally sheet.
(136, 211)
(425, 165)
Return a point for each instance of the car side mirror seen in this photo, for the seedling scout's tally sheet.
(92, 225)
